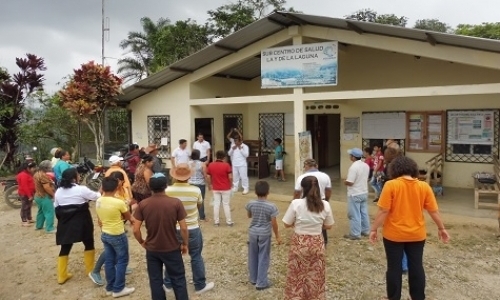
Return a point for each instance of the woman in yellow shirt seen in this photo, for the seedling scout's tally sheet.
(401, 206)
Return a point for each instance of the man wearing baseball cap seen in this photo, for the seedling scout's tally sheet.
(357, 196)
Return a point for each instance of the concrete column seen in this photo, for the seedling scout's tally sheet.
(298, 106)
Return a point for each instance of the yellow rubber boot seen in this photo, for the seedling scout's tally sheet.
(89, 260)
(62, 270)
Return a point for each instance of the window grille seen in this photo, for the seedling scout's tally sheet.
(158, 128)
(271, 126)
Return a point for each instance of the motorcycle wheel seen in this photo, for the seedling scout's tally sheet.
(93, 184)
(12, 198)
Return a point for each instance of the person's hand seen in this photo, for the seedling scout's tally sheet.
(443, 236)
(99, 222)
(278, 240)
(373, 236)
(234, 147)
(143, 244)
(209, 187)
(184, 249)
(30, 199)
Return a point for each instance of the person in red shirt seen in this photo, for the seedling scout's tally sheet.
(131, 160)
(378, 171)
(26, 191)
(219, 181)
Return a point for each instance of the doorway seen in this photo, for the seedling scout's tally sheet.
(231, 121)
(325, 132)
(204, 126)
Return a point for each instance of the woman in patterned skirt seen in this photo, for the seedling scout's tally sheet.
(306, 274)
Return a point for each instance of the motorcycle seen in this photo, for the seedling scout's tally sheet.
(10, 193)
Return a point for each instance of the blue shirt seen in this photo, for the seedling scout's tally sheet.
(262, 212)
(278, 152)
(59, 168)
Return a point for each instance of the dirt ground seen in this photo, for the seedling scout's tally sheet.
(467, 268)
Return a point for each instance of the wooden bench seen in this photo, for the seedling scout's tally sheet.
(486, 189)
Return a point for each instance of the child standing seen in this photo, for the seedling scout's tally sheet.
(263, 214)
(278, 159)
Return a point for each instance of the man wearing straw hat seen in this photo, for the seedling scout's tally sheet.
(191, 198)
(152, 150)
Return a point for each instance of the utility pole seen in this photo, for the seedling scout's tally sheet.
(104, 28)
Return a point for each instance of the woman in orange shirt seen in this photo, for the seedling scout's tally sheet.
(401, 206)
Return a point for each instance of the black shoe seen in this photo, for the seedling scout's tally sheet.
(352, 237)
(365, 234)
(376, 200)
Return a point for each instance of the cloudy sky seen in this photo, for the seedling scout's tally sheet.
(67, 33)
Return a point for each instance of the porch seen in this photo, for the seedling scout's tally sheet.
(456, 201)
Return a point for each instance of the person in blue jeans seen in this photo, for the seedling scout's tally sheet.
(191, 199)
(111, 212)
(263, 214)
(357, 196)
(198, 179)
(95, 275)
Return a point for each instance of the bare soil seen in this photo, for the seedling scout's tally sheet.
(467, 268)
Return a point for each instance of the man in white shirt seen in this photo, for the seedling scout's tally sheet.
(324, 182)
(239, 153)
(204, 148)
(357, 196)
(181, 154)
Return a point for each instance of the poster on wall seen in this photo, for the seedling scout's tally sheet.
(471, 127)
(351, 125)
(300, 66)
(305, 146)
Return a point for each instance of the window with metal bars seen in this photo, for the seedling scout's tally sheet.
(158, 129)
(271, 126)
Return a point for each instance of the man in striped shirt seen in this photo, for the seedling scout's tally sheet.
(191, 198)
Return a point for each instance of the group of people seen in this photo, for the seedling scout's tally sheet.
(134, 191)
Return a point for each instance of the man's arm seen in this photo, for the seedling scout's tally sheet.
(348, 183)
(328, 194)
(184, 235)
(137, 232)
(128, 216)
(245, 151)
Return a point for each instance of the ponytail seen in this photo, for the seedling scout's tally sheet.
(310, 188)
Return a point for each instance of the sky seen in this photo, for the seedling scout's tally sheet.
(68, 33)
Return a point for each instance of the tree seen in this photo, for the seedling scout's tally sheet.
(369, 15)
(14, 90)
(432, 25)
(141, 46)
(88, 94)
(232, 17)
(484, 30)
(49, 125)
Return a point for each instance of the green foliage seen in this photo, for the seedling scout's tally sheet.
(484, 30)
(161, 43)
(14, 90)
(433, 25)
(232, 17)
(369, 15)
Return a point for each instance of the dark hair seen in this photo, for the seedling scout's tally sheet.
(68, 178)
(117, 175)
(158, 184)
(182, 141)
(195, 155)
(220, 154)
(377, 145)
(237, 139)
(199, 133)
(147, 158)
(261, 188)
(310, 190)
(57, 154)
(109, 184)
(403, 166)
(133, 147)
(278, 140)
(62, 153)
(26, 165)
(368, 149)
